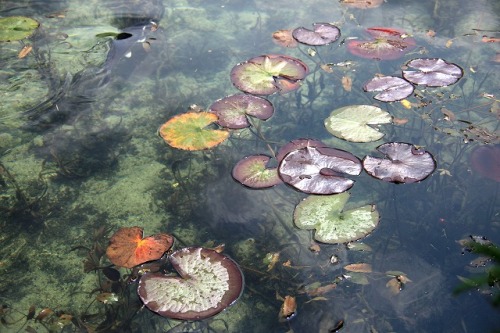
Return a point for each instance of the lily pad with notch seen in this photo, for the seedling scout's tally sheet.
(319, 170)
(14, 28)
(208, 282)
(190, 131)
(403, 163)
(252, 171)
(334, 225)
(232, 111)
(389, 88)
(387, 44)
(322, 34)
(297, 144)
(354, 122)
(269, 74)
(432, 72)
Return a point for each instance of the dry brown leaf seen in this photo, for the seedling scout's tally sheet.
(287, 263)
(448, 115)
(327, 68)
(314, 248)
(359, 267)
(288, 308)
(321, 290)
(25, 51)
(430, 33)
(399, 121)
(394, 286)
(347, 83)
(318, 298)
(487, 39)
(448, 43)
(284, 38)
(271, 259)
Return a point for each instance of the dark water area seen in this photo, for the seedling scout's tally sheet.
(81, 157)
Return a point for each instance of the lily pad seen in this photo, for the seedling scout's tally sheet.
(391, 88)
(252, 171)
(334, 225)
(13, 28)
(388, 43)
(403, 163)
(352, 123)
(319, 170)
(297, 144)
(189, 131)
(208, 283)
(268, 74)
(233, 110)
(432, 72)
(127, 247)
(322, 34)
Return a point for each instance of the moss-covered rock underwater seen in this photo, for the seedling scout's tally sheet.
(176, 182)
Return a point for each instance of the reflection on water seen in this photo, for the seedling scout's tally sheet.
(80, 158)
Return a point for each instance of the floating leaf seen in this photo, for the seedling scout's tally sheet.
(485, 160)
(189, 131)
(332, 224)
(208, 282)
(232, 111)
(127, 248)
(404, 163)
(319, 170)
(14, 28)
(346, 83)
(352, 123)
(252, 171)
(297, 144)
(359, 267)
(432, 72)
(268, 74)
(363, 4)
(391, 88)
(388, 43)
(322, 34)
(284, 38)
(288, 309)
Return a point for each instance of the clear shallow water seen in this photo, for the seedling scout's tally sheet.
(80, 151)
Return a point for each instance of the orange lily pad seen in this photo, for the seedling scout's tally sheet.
(190, 131)
(127, 247)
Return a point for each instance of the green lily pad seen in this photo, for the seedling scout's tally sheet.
(14, 28)
(332, 224)
(252, 171)
(190, 131)
(352, 123)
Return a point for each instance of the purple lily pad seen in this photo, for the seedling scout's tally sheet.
(268, 74)
(391, 88)
(322, 34)
(297, 144)
(433, 72)
(388, 43)
(208, 282)
(233, 110)
(252, 171)
(319, 170)
(404, 163)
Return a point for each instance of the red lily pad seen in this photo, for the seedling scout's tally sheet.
(208, 282)
(297, 144)
(388, 43)
(268, 74)
(322, 34)
(432, 72)
(403, 163)
(319, 170)
(252, 171)
(233, 110)
(485, 160)
(390, 88)
(127, 247)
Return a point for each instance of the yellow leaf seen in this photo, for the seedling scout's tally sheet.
(448, 43)
(406, 103)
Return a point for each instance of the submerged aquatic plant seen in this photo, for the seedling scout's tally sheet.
(127, 247)
(208, 283)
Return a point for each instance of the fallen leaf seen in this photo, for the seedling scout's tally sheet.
(288, 308)
(314, 248)
(448, 115)
(448, 43)
(406, 103)
(321, 290)
(271, 259)
(284, 38)
(359, 267)
(287, 263)
(318, 298)
(394, 286)
(399, 121)
(487, 39)
(347, 83)
(25, 51)
(430, 33)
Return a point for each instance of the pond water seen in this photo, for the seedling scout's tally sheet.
(81, 158)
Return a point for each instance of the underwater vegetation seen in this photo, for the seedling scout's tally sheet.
(359, 160)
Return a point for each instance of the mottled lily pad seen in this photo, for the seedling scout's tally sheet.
(390, 88)
(403, 163)
(297, 144)
(332, 224)
(189, 131)
(252, 171)
(322, 34)
(432, 72)
(388, 43)
(208, 283)
(319, 170)
(233, 110)
(268, 74)
(352, 123)
(14, 28)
